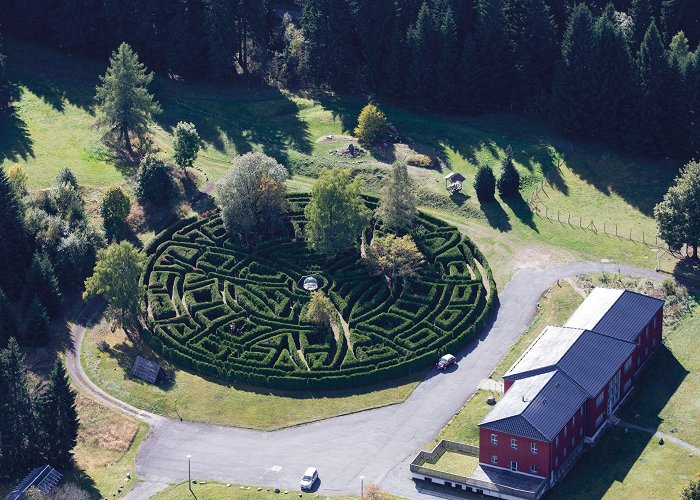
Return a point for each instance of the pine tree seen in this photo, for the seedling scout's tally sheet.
(495, 69)
(123, 98)
(397, 208)
(58, 418)
(677, 115)
(8, 320)
(653, 73)
(485, 184)
(374, 21)
(469, 93)
(446, 94)
(509, 181)
(14, 248)
(641, 13)
(573, 89)
(40, 281)
(613, 78)
(36, 325)
(16, 424)
(422, 43)
(532, 39)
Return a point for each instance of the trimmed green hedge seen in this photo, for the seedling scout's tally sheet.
(234, 313)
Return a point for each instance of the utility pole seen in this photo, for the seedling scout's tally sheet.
(189, 474)
(362, 486)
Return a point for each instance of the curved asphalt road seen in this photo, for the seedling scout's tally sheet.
(378, 444)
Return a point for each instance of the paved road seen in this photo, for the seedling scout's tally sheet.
(377, 444)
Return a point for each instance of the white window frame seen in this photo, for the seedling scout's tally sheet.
(513, 444)
(494, 459)
(533, 448)
(513, 466)
(628, 365)
(533, 468)
(494, 439)
(600, 399)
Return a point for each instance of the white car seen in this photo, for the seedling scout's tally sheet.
(309, 478)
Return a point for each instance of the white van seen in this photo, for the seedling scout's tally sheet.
(309, 478)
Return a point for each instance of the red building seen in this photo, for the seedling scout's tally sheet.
(561, 392)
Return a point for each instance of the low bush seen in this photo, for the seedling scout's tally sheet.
(419, 160)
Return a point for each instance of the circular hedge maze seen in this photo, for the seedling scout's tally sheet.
(235, 313)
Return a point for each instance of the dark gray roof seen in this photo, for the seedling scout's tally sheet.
(455, 177)
(537, 407)
(146, 370)
(43, 478)
(630, 313)
(590, 361)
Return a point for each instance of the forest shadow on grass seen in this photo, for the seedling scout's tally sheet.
(15, 141)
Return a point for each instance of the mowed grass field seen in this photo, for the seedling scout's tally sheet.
(623, 465)
(54, 127)
(107, 358)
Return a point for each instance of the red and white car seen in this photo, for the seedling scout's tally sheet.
(445, 361)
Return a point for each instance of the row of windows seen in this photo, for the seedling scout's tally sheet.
(514, 465)
(513, 444)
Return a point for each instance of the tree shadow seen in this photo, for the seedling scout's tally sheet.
(244, 120)
(687, 271)
(459, 198)
(125, 354)
(618, 449)
(15, 141)
(83, 481)
(522, 211)
(496, 216)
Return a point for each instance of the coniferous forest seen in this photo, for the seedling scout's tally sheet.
(626, 73)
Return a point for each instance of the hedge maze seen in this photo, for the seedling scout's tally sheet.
(235, 313)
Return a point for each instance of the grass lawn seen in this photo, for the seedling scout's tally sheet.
(107, 445)
(456, 463)
(222, 491)
(54, 127)
(107, 358)
(668, 399)
(629, 466)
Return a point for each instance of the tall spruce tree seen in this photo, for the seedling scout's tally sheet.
(374, 21)
(448, 58)
(397, 209)
(422, 41)
(123, 98)
(641, 13)
(532, 39)
(58, 418)
(509, 181)
(573, 89)
(16, 425)
(14, 247)
(677, 116)
(494, 66)
(613, 77)
(40, 281)
(8, 320)
(36, 325)
(654, 78)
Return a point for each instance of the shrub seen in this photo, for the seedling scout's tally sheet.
(485, 184)
(153, 182)
(419, 160)
(114, 208)
(372, 125)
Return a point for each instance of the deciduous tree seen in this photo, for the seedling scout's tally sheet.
(397, 209)
(153, 182)
(678, 214)
(252, 196)
(123, 99)
(185, 145)
(394, 257)
(116, 277)
(371, 124)
(17, 175)
(114, 207)
(320, 310)
(336, 214)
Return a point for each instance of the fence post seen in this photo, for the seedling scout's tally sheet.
(558, 216)
(605, 227)
(569, 220)
(643, 241)
(580, 224)
(615, 229)
(546, 211)
(630, 234)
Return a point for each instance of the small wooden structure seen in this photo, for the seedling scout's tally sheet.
(453, 182)
(42, 478)
(147, 370)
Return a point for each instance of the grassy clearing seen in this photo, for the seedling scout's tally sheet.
(669, 399)
(107, 358)
(222, 491)
(107, 445)
(54, 128)
(456, 463)
(629, 466)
